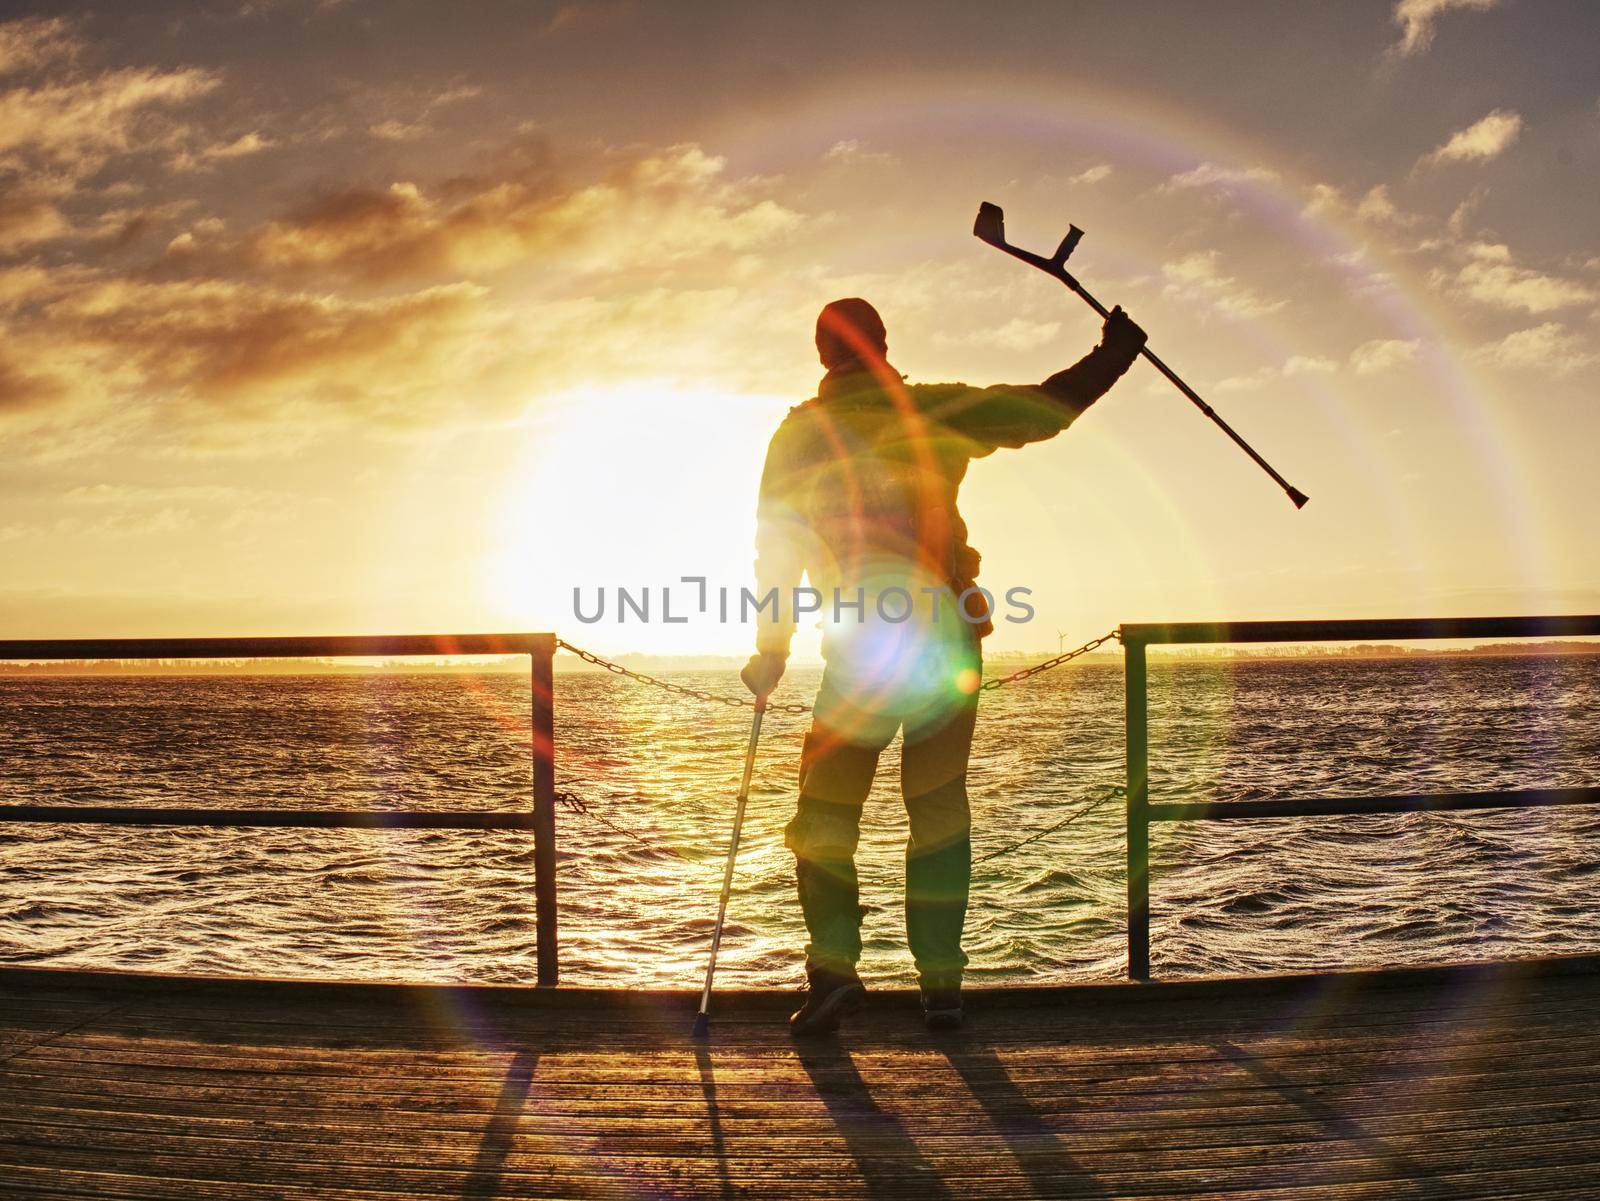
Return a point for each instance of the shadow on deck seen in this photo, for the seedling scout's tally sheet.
(1465, 1082)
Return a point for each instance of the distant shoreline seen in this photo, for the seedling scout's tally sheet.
(566, 665)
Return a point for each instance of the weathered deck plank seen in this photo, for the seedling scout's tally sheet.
(1471, 1084)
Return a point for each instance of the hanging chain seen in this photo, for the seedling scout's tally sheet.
(572, 801)
(578, 805)
(1030, 672)
(677, 689)
(736, 702)
(1113, 791)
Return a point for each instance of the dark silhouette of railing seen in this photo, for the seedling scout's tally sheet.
(540, 648)
(1135, 638)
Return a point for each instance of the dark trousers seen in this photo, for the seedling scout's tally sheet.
(837, 763)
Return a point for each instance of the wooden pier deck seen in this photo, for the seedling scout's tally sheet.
(1440, 1083)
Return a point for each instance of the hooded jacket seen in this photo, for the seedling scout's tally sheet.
(860, 482)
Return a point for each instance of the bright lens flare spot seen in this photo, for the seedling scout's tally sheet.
(967, 681)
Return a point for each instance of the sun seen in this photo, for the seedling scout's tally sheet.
(633, 485)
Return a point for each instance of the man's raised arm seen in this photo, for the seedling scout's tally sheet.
(1014, 415)
(1091, 377)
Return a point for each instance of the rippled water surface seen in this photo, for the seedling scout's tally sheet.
(636, 910)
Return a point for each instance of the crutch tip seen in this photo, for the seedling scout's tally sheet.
(1298, 497)
(702, 1026)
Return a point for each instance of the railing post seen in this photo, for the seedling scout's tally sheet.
(544, 813)
(1137, 718)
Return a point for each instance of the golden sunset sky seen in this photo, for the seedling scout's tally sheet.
(407, 317)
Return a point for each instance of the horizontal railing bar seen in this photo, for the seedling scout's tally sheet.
(310, 819)
(1531, 798)
(278, 648)
(1360, 630)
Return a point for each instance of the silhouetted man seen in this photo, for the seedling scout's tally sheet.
(859, 494)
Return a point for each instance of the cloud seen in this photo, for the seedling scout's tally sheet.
(1383, 354)
(1253, 382)
(208, 156)
(72, 127)
(165, 494)
(119, 228)
(1324, 199)
(1417, 19)
(1095, 174)
(1491, 277)
(221, 365)
(306, 10)
(395, 129)
(114, 525)
(33, 42)
(1550, 349)
(1378, 208)
(118, 511)
(1017, 334)
(256, 340)
(1478, 142)
(1214, 175)
(1462, 213)
(26, 220)
(24, 387)
(657, 210)
(1293, 366)
(1308, 365)
(28, 284)
(228, 344)
(592, 14)
(1197, 277)
(209, 367)
(1370, 358)
(1375, 208)
(399, 131)
(858, 153)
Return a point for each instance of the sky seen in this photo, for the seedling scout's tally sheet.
(348, 317)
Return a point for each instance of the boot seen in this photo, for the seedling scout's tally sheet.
(832, 996)
(941, 1007)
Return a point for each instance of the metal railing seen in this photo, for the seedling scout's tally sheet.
(1141, 812)
(541, 819)
(540, 648)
